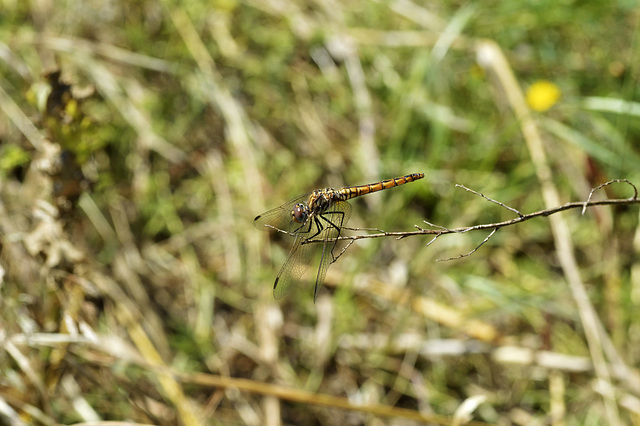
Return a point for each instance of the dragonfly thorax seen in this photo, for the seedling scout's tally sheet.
(319, 201)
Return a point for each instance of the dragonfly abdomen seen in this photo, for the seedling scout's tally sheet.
(349, 192)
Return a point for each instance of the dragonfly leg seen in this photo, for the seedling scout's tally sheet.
(295, 231)
(319, 225)
(337, 227)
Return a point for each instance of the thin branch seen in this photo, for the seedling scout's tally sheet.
(494, 226)
(635, 191)
(433, 225)
(471, 252)
(362, 229)
(490, 199)
(342, 251)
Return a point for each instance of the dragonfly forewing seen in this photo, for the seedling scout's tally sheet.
(280, 217)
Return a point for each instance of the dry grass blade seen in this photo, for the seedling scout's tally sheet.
(299, 396)
(20, 120)
(491, 56)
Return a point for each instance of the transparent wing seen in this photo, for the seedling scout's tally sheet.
(295, 266)
(333, 220)
(280, 217)
(322, 228)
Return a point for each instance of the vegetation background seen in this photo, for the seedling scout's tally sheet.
(138, 140)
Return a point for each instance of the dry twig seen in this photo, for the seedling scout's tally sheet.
(493, 226)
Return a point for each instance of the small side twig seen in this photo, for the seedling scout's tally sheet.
(490, 199)
(635, 191)
(362, 229)
(342, 251)
(471, 252)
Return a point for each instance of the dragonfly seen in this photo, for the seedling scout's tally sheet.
(319, 216)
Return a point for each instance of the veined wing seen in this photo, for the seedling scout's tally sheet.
(323, 228)
(335, 218)
(280, 217)
(295, 266)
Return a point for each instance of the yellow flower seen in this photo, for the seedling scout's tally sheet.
(542, 95)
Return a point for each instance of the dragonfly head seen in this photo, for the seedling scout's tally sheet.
(300, 213)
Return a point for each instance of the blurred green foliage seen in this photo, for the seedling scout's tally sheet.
(175, 123)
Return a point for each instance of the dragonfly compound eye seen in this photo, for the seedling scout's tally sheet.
(299, 213)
